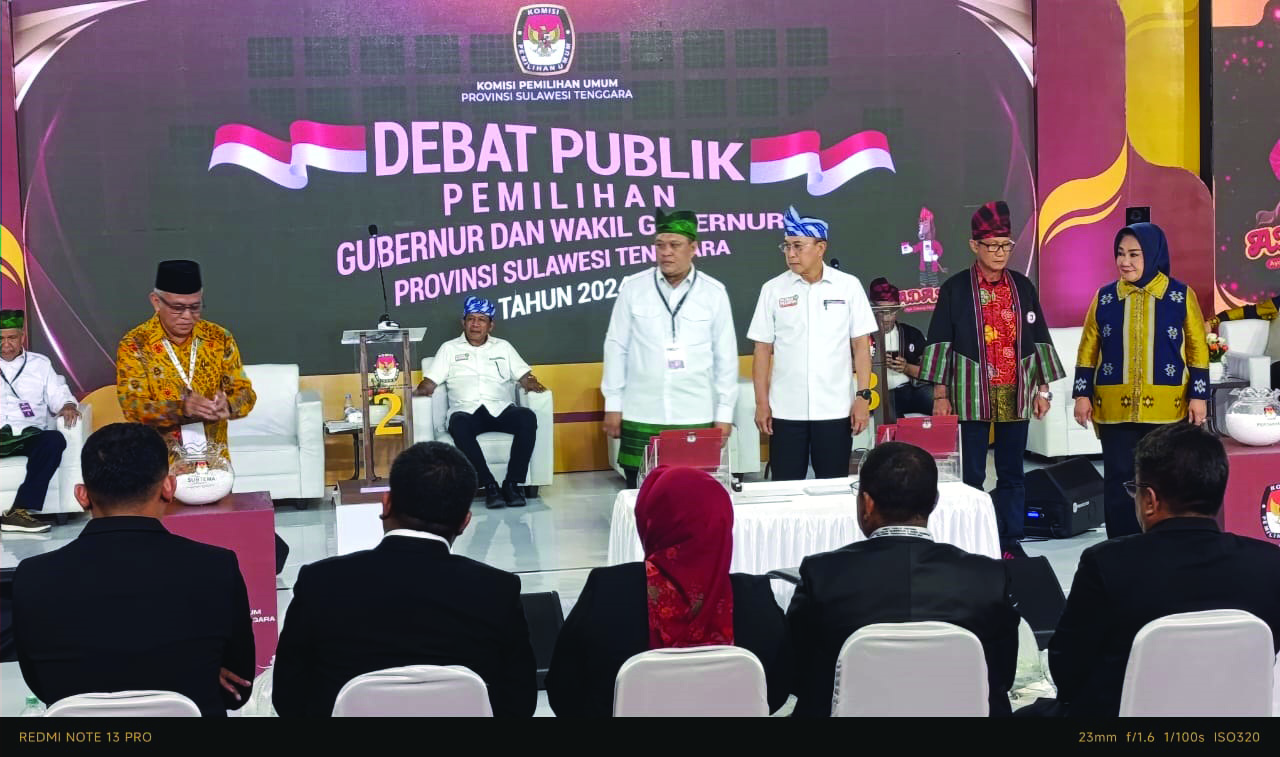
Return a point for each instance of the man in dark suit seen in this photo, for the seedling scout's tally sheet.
(1182, 562)
(897, 575)
(408, 601)
(127, 605)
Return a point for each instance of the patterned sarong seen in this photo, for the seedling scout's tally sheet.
(11, 443)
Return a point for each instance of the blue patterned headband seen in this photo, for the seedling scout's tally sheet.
(477, 305)
(799, 226)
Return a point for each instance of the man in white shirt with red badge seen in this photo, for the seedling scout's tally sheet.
(812, 329)
(479, 370)
(33, 394)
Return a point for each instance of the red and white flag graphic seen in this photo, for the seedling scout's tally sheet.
(776, 159)
(326, 146)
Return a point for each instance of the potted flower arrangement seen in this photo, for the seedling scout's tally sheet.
(1217, 351)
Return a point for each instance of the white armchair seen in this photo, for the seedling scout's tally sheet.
(1247, 356)
(430, 424)
(1057, 434)
(744, 441)
(279, 446)
(61, 499)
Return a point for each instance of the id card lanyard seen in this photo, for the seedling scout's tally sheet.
(680, 304)
(192, 433)
(16, 376)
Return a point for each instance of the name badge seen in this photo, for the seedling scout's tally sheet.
(788, 302)
(27, 412)
(676, 357)
(462, 356)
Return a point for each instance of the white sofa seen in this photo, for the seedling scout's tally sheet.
(744, 441)
(1058, 434)
(1247, 356)
(61, 499)
(430, 424)
(279, 446)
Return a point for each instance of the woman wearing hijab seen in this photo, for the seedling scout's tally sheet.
(682, 595)
(1143, 362)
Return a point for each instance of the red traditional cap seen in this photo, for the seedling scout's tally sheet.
(992, 220)
(883, 291)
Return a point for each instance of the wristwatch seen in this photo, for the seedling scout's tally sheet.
(1046, 395)
(864, 394)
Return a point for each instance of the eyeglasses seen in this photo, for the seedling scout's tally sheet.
(1131, 488)
(1005, 247)
(786, 247)
(193, 309)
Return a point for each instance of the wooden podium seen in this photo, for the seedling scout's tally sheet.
(398, 390)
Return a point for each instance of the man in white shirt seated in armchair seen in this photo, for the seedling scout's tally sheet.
(33, 395)
(479, 370)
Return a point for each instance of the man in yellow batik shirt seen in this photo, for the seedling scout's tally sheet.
(178, 373)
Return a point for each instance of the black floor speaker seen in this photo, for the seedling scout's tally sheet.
(545, 616)
(1038, 594)
(1064, 499)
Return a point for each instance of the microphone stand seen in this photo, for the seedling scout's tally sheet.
(384, 321)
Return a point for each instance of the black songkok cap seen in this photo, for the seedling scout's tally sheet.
(179, 277)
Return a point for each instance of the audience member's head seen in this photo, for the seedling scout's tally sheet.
(126, 472)
(685, 520)
(1181, 471)
(432, 485)
(897, 486)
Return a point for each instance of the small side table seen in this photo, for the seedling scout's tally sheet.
(243, 522)
(357, 508)
(356, 432)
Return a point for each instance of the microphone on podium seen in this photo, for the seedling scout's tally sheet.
(834, 263)
(384, 322)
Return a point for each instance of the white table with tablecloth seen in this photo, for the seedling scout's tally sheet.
(776, 524)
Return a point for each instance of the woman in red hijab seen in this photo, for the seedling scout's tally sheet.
(682, 595)
(685, 520)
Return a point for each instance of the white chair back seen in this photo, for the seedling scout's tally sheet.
(1066, 341)
(414, 691)
(1247, 336)
(691, 681)
(928, 669)
(439, 402)
(274, 414)
(1275, 691)
(1211, 663)
(125, 704)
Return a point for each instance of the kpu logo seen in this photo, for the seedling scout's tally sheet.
(1271, 511)
(544, 39)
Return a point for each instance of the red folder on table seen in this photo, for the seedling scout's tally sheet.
(689, 448)
(938, 435)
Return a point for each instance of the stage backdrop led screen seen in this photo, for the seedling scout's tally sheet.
(508, 150)
(1246, 151)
